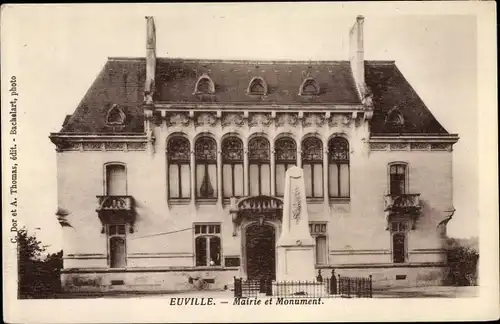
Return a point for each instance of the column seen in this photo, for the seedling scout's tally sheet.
(245, 169)
(193, 178)
(273, 171)
(325, 174)
(219, 177)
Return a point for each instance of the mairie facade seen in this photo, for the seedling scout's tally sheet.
(171, 172)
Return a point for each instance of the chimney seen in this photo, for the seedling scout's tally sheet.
(149, 86)
(357, 55)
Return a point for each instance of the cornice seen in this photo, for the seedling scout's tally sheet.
(414, 138)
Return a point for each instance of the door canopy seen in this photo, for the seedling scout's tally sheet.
(260, 208)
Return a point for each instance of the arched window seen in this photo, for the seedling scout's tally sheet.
(205, 150)
(115, 116)
(397, 179)
(309, 87)
(232, 167)
(257, 86)
(259, 163)
(394, 118)
(338, 168)
(204, 85)
(399, 231)
(116, 245)
(312, 163)
(178, 155)
(285, 157)
(116, 180)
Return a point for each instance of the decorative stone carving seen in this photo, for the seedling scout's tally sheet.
(378, 146)
(312, 119)
(399, 146)
(286, 119)
(296, 206)
(177, 119)
(92, 146)
(419, 146)
(232, 119)
(206, 119)
(115, 146)
(340, 120)
(440, 147)
(135, 146)
(260, 119)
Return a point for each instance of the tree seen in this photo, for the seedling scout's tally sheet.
(462, 258)
(38, 277)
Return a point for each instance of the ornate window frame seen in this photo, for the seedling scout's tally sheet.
(281, 158)
(308, 82)
(257, 81)
(342, 158)
(312, 159)
(116, 234)
(206, 159)
(179, 161)
(394, 118)
(399, 227)
(232, 157)
(121, 116)
(204, 78)
(260, 158)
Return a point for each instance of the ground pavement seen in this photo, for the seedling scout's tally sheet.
(409, 292)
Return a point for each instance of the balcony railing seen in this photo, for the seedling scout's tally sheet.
(402, 203)
(115, 203)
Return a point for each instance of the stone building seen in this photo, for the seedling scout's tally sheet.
(172, 170)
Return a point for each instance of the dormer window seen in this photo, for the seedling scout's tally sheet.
(394, 118)
(257, 86)
(115, 116)
(309, 87)
(204, 85)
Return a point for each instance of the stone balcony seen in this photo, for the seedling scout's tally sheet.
(116, 210)
(402, 203)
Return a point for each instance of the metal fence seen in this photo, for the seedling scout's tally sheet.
(329, 287)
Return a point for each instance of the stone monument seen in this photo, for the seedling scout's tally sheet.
(295, 247)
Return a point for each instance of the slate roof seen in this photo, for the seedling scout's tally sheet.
(391, 90)
(121, 82)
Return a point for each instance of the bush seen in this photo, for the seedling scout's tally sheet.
(462, 259)
(38, 277)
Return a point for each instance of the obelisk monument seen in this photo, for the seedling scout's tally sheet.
(295, 247)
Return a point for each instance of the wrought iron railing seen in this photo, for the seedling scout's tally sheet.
(334, 286)
(408, 202)
(114, 203)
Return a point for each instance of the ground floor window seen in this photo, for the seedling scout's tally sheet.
(318, 231)
(207, 244)
(117, 253)
(399, 241)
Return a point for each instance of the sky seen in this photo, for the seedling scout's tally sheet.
(58, 51)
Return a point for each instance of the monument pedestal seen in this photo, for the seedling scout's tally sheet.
(295, 247)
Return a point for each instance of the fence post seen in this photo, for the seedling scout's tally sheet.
(261, 285)
(269, 287)
(370, 290)
(341, 285)
(237, 288)
(333, 284)
(348, 287)
(319, 278)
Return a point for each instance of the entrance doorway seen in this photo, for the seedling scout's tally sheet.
(260, 252)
